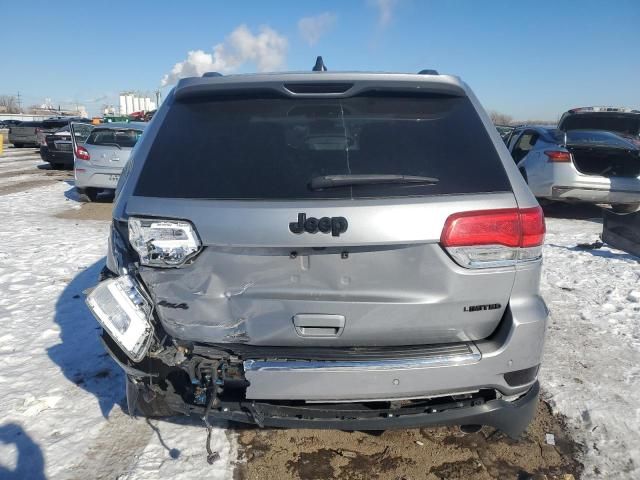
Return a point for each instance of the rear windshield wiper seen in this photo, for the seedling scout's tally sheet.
(332, 181)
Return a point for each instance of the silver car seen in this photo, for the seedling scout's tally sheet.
(325, 250)
(593, 156)
(100, 152)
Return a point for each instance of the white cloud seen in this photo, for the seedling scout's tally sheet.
(312, 28)
(267, 50)
(385, 10)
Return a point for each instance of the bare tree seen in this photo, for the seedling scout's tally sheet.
(9, 103)
(500, 118)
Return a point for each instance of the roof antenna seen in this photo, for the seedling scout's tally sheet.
(319, 66)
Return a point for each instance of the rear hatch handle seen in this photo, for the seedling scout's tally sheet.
(318, 324)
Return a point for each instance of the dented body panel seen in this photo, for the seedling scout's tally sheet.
(387, 274)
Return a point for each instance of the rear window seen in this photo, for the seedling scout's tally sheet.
(51, 124)
(271, 148)
(112, 137)
(628, 124)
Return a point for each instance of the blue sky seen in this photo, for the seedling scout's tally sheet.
(527, 59)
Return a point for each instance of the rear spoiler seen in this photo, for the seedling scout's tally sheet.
(622, 231)
(321, 84)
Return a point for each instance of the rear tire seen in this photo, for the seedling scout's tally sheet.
(625, 207)
(88, 194)
(18, 145)
(57, 166)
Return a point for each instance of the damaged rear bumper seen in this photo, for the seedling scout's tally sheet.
(510, 417)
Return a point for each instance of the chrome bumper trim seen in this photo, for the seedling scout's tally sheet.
(458, 354)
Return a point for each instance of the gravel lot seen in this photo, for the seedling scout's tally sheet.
(80, 441)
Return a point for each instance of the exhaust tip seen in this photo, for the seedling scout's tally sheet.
(473, 428)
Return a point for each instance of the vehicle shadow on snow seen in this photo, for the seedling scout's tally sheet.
(573, 211)
(30, 461)
(80, 354)
(72, 194)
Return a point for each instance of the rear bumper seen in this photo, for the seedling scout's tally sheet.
(96, 177)
(562, 182)
(516, 345)
(511, 418)
(51, 156)
(595, 194)
(28, 140)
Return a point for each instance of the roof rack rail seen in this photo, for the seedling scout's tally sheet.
(211, 74)
(319, 66)
(428, 71)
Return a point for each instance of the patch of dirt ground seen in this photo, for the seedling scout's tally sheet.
(100, 210)
(29, 184)
(436, 453)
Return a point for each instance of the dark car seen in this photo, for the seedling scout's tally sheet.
(24, 134)
(9, 123)
(58, 149)
(52, 125)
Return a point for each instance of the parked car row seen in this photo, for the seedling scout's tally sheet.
(9, 123)
(55, 150)
(592, 155)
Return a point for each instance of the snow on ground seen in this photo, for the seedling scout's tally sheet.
(591, 367)
(61, 407)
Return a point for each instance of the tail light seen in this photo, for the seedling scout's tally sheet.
(82, 153)
(558, 156)
(163, 243)
(494, 238)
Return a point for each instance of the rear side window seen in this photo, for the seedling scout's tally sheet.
(112, 137)
(271, 148)
(29, 124)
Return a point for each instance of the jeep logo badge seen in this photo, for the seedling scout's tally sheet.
(335, 225)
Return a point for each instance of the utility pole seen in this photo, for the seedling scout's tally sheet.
(19, 103)
(158, 98)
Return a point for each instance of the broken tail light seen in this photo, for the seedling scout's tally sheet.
(163, 243)
(494, 238)
(125, 313)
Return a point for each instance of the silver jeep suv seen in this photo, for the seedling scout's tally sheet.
(325, 250)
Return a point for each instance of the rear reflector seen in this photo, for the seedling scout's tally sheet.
(557, 156)
(493, 238)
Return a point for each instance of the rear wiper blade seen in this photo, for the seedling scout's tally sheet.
(332, 181)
